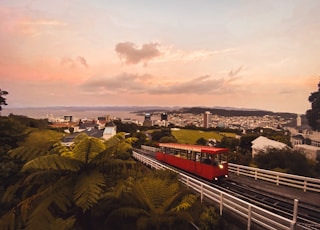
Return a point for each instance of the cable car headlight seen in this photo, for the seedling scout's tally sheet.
(220, 166)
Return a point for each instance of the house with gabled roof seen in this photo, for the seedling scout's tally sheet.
(110, 130)
(262, 143)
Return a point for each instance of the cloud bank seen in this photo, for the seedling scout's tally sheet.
(148, 84)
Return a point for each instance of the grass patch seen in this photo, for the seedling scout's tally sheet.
(187, 136)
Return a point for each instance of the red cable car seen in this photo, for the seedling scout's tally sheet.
(207, 162)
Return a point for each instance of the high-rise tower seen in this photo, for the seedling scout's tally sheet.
(207, 119)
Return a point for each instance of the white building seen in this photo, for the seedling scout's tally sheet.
(263, 144)
(109, 131)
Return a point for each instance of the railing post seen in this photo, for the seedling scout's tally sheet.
(238, 170)
(201, 195)
(305, 185)
(278, 179)
(221, 203)
(255, 174)
(249, 217)
(295, 213)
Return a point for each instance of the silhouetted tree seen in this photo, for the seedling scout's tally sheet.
(313, 114)
(201, 141)
(3, 99)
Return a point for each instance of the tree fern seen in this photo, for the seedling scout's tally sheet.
(88, 189)
(62, 150)
(26, 153)
(88, 148)
(52, 162)
(187, 201)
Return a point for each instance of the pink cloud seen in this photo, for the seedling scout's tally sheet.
(129, 53)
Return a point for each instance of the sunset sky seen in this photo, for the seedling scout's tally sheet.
(244, 54)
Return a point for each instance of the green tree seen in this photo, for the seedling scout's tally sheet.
(157, 135)
(167, 139)
(3, 99)
(313, 114)
(285, 160)
(62, 188)
(201, 141)
(141, 139)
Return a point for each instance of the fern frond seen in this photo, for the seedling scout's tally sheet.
(88, 148)
(26, 153)
(61, 224)
(10, 193)
(62, 150)
(126, 212)
(53, 162)
(187, 201)
(88, 189)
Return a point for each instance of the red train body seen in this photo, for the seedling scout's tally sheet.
(207, 162)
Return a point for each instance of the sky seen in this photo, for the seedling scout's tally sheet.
(232, 53)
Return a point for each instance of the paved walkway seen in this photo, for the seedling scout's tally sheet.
(308, 197)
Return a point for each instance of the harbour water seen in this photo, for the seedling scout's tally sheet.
(42, 113)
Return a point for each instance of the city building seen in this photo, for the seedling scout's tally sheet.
(262, 144)
(147, 120)
(207, 119)
(109, 131)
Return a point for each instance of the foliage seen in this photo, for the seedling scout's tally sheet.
(3, 99)
(154, 202)
(141, 139)
(60, 187)
(41, 138)
(313, 114)
(239, 158)
(290, 161)
(126, 127)
(245, 142)
(11, 131)
(230, 143)
(30, 122)
(167, 139)
(201, 141)
(209, 219)
(157, 135)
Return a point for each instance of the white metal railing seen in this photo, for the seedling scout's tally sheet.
(252, 213)
(301, 182)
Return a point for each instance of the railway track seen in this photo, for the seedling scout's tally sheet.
(308, 214)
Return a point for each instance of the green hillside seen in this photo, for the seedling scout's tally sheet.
(191, 136)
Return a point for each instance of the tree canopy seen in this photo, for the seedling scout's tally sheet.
(3, 99)
(313, 114)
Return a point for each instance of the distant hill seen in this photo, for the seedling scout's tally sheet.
(235, 112)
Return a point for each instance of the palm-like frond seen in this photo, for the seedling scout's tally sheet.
(160, 193)
(88, 189)
(63, 224)
(34, 211)
(53, 162)
(125, 212)
(26, 153)
(187, 201)
(88, 148)
(62, 150)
